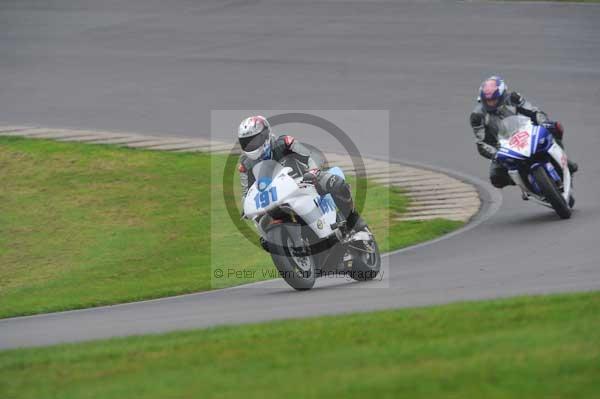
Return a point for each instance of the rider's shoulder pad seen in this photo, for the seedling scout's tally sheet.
(288, 141)
(516, 98)
(285, 142)
(244, 164)
(477, 119)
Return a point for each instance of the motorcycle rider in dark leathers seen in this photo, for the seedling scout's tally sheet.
(258, 143)
(496, 103)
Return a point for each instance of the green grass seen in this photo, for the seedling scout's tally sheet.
(86, 225)
(555, 1)
(531, 347)
(561, 1)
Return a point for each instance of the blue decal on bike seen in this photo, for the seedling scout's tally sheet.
(510, 153)
(326, 203)
(552, 172)
(263, 183)
(273, 192)
(534, 139)
(534, 185)
(264, 198)
(544, 140)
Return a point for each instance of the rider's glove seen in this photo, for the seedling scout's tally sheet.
(555, 128)
(264, 244)
(311, 176)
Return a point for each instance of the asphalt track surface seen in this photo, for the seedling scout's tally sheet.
(161, 67)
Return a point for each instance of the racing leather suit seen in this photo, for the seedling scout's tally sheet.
(486, 127)
(289, 152)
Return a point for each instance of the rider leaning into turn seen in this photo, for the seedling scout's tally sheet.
(258, 143)
(494, 104)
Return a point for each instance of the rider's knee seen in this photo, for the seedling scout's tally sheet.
(333, 184)
(499, 181)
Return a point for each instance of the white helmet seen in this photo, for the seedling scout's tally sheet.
(254, 136)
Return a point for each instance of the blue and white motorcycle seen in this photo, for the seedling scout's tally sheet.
(305, 234)
(536, 163)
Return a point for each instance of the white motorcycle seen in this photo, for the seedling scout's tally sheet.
(536, 163)
(305, 234)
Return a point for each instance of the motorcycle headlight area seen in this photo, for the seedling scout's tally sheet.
(263, 183)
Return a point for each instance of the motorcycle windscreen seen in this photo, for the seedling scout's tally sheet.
(266, 168)
(515, 135)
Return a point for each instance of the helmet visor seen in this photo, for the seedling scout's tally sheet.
(252, 143)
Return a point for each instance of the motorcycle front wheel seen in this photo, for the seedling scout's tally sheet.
(293, 260)
(551, 193)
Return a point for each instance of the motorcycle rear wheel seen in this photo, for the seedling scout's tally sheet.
(366, 260)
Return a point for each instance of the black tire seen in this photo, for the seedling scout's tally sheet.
(365, 264)
(551, 193)
(300, 276)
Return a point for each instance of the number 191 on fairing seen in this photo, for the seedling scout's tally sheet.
(264, 198)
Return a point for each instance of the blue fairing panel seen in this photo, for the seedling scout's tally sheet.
(552, 172)
(544, 140)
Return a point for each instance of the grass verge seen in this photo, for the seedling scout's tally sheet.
(86, 225)
(530, 347)
(556, 1)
